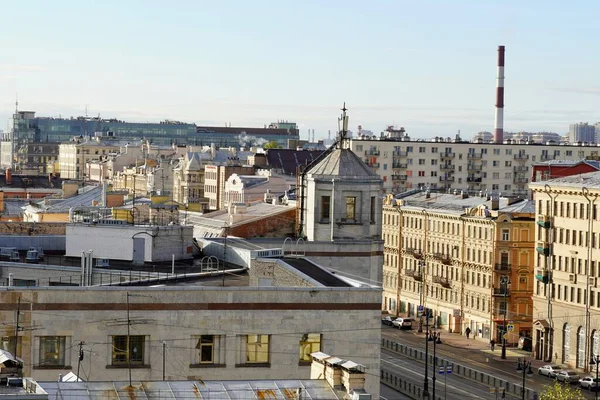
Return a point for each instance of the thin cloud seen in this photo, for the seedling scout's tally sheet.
(24, 68)
(591, 90)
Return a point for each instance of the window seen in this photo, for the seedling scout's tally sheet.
(309, 343)
(325, 208)
(505, 235)
(210, 350)
(373, 208)
(257, 349)
(350, 208)
(121, 349)
(52, 351)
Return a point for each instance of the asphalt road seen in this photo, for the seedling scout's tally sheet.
(466, 356)
(387, 393)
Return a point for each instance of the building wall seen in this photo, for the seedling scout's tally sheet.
(475, 167)
(545, 172)
(278, 225)
(266, 272)
(171, 315)
(116, 241)
(73, 157)
(31, 229)
(566, 286)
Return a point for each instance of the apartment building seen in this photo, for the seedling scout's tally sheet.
(450, 164)
(215, 177)
(468, 259)
(566, 298)
(188, 182)
(74, 157)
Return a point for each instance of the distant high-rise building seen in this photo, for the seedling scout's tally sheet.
(582, 132)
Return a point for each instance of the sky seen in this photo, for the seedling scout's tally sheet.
(429, 66)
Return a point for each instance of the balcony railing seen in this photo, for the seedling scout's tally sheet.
(519, 180)
(473, 179)
(521, 157)
(413, 273)
(520, 169)
(502, 267)
(416, 253)
(446, 179)
(474, 167)
(501, 292)
(474, 156)
(400, 165)
(399, 154)
(400, 178)
(372, 152)
(447, 155)
(447, 167)
(441, 280)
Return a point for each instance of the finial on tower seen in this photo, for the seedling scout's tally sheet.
(343, 125)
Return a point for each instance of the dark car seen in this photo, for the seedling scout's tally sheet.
(387, 320)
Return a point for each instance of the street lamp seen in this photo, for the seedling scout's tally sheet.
(504, 282)
(435, 338)
(595, 360)
(524, 367)
(421, 295)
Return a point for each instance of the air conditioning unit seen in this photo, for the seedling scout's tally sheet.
(592, 281)
(573, 278)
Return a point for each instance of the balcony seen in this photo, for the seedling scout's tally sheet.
(501, 292)
(520, 169)
(448, 155)
(474, 167)
(401, 178)
(399, 154)
(447, 167)
(374, 165)
(441, 280)
(372, 152)
(413, 273)
(416, 253)
(443, 258)
(546, 157)
(543, 247)
(521, 157)
(446, 179)
(544, 221)
(400, 165)
(519, 180)
(502, 267)
(473, 156)
(472, 179)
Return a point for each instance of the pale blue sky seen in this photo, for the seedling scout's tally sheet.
(429, 66)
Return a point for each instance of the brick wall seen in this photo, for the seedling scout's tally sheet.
(31, 228)
(278, 225)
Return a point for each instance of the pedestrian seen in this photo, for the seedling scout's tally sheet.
(492, 344)
(468, 332)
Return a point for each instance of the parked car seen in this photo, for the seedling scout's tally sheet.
(589, 383)
(387, 320)
(567, 376)
(403, 323)
(549, 370)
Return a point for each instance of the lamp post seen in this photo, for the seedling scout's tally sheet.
(435, 338)
(595, 360)
(426, 381)
(504, 283)
(524, 367)
(421, 263)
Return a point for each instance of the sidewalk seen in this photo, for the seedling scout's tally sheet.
(482, 346)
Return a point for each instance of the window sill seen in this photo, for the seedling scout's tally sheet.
(207, 365)
(52, 367)
(254, 365)
(126, 366)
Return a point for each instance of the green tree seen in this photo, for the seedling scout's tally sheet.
(271, 145)
(561, 392)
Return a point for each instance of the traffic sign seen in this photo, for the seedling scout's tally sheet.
(420, 308)
(510, 327)
(505, 336)
(447, 370)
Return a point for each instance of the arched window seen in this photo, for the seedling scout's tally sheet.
(580, 347)
(566, 342)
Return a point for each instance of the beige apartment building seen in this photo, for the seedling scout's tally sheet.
(468, 259)
(74, 157)
(566, 298)
(215, 177)
(188, 182)
(443, 164)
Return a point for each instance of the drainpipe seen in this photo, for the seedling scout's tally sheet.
(332, 209)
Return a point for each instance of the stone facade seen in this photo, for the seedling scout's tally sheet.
(273, 272)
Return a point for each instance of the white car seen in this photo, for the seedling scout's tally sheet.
(549, 370)
(567, 376)
(589, 383)
(403, 323)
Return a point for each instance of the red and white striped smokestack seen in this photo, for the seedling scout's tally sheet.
(499, 121)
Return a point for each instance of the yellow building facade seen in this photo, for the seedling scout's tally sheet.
(468, 259)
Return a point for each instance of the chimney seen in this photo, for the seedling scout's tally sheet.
(353, 376)
(499, 121)
(495, 203)
(8, 176)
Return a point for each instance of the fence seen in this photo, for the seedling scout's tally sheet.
(388, 378)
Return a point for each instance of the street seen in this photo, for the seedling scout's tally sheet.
(459, 351)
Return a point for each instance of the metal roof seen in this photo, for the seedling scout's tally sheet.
(344, 163)
(310, 389)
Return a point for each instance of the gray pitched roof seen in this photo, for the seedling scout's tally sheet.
(342, 162)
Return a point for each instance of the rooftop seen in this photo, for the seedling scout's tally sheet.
(590, 180)
(342, 162)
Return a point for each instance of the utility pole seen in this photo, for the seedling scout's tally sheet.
(164, 357)
(17, 325)
(504, 283)
(80, 359)
(128, 338)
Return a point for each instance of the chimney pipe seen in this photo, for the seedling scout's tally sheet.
(499, 121)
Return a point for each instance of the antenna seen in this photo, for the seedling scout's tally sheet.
(343, 125)
(16, 106)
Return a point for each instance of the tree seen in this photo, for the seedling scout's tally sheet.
(561, 392)
(271, 145)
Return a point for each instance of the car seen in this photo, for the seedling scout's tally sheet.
(403, 323)
(549, 370)
(567, 376)
(589, 383)
(387, 320)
